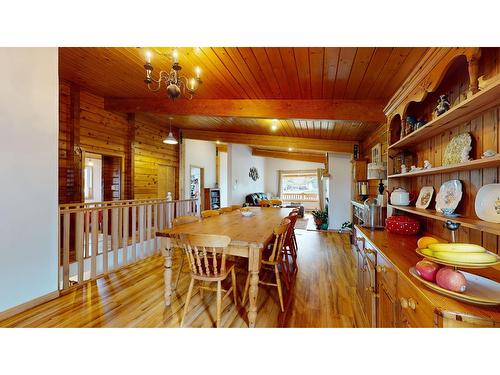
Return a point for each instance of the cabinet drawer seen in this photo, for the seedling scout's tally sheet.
(386, 272)
(412, 306)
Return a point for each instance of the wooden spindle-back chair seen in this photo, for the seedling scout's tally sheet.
(265, 203)
(274, 260)
(276, 202)
(209, 213)
(290, 247)
(225, 209)
(207, 261)
(175, 223)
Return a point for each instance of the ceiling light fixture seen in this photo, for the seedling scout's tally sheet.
(274, 126)
(289, 149)
(175, 83)
(170, 140)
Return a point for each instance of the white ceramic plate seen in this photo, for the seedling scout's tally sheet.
(487, 204)
(449, 195)
(425, 197)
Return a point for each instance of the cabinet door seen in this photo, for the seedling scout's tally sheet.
(387, 307)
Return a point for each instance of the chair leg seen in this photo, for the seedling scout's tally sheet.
(278, 285)
(219, 301)
(233, 276)
(245, 291)
(188, 299)
(179, 272)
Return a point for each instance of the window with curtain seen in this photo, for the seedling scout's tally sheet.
(299, 185)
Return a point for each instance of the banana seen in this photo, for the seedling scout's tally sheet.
(465, 257)
(457, 247)
(427, 252)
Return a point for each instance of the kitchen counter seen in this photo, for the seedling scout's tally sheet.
(400, 251)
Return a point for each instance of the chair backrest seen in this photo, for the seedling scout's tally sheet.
(235, 207)
(276, 202)
(264, 203)
(184, 220)
(225, 209)
(206, 253)
(280, 232)
(209, 213)
(292, 218)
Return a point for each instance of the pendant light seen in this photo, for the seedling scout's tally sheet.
(170, 140)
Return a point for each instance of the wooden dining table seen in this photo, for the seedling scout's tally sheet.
(249, 236)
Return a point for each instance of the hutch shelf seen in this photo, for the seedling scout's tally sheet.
(468, 109)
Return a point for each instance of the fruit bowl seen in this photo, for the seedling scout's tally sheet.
(247, 213)
(480, 290)
(459, 264)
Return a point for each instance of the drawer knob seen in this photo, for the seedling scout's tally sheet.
(403, 302)
(412, 304)
(381, 269)
(370, 289)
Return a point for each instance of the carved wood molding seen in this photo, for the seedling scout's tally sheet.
(427, 76)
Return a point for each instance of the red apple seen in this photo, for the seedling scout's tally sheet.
(450, 279)
(427, 270)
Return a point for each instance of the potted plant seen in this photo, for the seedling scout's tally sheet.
(321, 219)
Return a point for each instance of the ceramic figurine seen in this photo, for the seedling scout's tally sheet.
(169, 196)
(443, 105)
(419, 124)
(488, 154)
(427, 164)
(403, 168)
(414, 168)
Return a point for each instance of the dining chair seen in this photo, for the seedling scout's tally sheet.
(272, 259)
(290, 245)
(225, 209)
(209, 213)
(207, 263)
(175, 223)
(265, 203)
(235, 207)
(276, 202)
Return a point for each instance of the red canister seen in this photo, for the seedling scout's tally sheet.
(402, 224)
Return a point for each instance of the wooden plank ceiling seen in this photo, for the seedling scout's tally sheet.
(350, 75)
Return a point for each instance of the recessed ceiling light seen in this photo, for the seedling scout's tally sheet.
(273, 127)
(217, 142)
(289, 149)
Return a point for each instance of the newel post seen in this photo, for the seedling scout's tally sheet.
(473, 67)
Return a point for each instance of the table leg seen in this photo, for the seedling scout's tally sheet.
(166, 251)
(253, 292)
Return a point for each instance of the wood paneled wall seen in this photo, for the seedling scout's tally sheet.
(379, 135)
(84, 125)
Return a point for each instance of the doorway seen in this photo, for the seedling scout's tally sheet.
(92, 178)
(166, 181)
(196, 183)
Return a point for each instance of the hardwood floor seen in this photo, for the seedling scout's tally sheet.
(324, 296)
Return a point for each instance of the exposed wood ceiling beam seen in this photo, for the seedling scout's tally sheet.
(316, 158)
(271, 140)
(358, 110)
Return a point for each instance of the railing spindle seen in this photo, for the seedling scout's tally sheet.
(133, 232)
(114, 235)
(105, 240)
(148, 228)
(79, 244)
(87, 234)
(141, 229)
(95, 243)
(125, 235)
(66, 232)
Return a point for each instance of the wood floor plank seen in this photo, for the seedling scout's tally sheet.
(324, 295)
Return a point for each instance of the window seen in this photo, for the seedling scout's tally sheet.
(299, 185)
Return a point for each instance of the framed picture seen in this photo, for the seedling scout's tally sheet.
(377, 153)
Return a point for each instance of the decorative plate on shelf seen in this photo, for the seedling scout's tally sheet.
(425, 196)
(480, 290)
(487, 204)
(449, 195)
(458, 149)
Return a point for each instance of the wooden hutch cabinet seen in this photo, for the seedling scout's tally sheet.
(470, 77)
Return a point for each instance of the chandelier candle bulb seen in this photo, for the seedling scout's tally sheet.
(175, 55)
(148, 57)
(198, 72)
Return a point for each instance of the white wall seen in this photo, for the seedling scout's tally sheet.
(223, 179)
(339, 209)
(272, 166)
(28, 169)
(199, 154)
(240, 160)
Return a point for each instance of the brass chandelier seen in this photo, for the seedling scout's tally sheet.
(175, 83)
